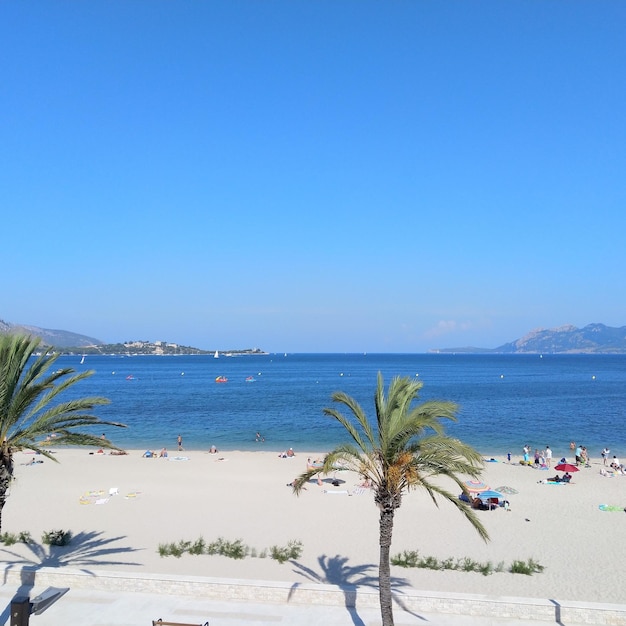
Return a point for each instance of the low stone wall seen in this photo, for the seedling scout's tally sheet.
(330, 595)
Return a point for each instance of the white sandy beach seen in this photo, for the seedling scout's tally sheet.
(243, 495)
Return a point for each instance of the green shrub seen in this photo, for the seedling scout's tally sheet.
(291, 551)
(448, 563)
(234, 549)
(485, 568)
(467, 565)
(528, 567)
(198, 546)
(410, 558)
(24, 537)
(56, 537)
(428, 562)
(178, 549)
(163, 549)
(8, 539)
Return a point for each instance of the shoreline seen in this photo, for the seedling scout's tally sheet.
(244, 495)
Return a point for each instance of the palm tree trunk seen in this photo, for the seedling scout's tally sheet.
(6, 475)
(384, 566)
(5, 481)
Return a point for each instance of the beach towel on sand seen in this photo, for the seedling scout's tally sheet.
(611, 507)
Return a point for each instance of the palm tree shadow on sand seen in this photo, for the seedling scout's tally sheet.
(86, 550)
(336, 571)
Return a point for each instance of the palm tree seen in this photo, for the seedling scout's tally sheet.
(30, 407)
(405, 449)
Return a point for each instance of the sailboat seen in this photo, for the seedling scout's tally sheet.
(216, 355)
(82, 360)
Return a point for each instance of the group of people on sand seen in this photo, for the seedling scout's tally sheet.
(615, 466)
(567, 477)
(542, 458)
(287, 454)
(613, 463)
(580, 454)
(153, 454)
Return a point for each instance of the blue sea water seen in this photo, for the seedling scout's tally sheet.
(505, 401)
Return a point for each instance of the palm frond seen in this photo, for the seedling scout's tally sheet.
(355, 430)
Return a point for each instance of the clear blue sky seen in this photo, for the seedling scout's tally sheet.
(324, 176)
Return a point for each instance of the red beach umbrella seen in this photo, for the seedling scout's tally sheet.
(565, 467)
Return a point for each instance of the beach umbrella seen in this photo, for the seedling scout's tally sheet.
(508, 490)
(565, 467)
(476, 486)
(488, 494)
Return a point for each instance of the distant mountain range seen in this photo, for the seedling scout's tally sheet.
(592, 339)
(56, 338)
(68, 343)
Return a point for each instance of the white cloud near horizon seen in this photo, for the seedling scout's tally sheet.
(447, 327)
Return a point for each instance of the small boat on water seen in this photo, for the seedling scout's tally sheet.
(221, 379)
(250, 379)
(216, 355)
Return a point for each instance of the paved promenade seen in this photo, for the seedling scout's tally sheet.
(92, 608)
(114, 599)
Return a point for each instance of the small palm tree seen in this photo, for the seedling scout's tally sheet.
(406, 448)
(30, 407)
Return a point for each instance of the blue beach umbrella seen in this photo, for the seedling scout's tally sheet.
(488, 494)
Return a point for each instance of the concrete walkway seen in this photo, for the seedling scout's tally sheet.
(116, 599)
(94, 608)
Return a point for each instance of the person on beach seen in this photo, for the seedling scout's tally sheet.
(605, 455)
(290, 452)
(579, 455)
(548, 455)
(585, 456)
(163, 453)
(180, 443)
(213, 450)
(477, 503)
